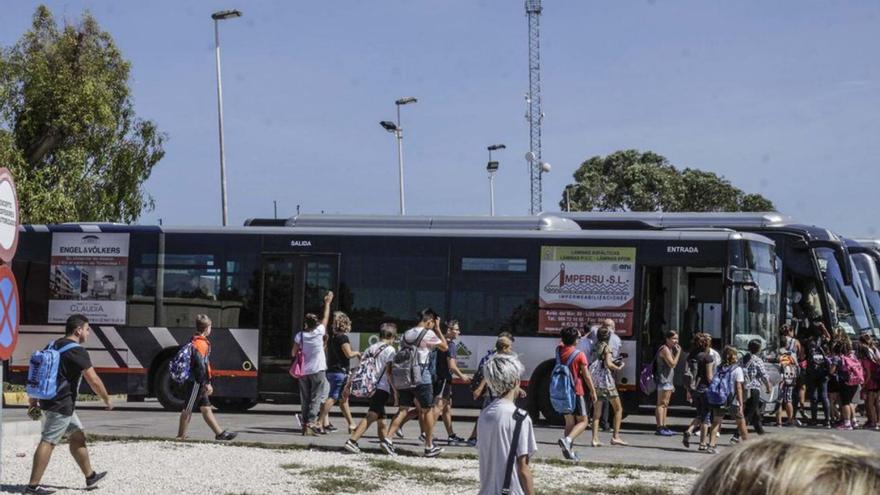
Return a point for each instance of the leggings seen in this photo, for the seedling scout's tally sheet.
(753, 410)
(817, 390)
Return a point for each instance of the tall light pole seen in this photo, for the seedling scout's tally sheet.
(219, 16)
(492, 167)
(397, 129)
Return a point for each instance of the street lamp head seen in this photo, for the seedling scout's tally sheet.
(492, 167)
(225, 14)
(495, 147)
(388, 126)
(406, 100)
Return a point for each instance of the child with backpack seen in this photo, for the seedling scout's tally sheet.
(698, 375)
(198, 383)
(567, 389)
(601, 372)
(845, 365)
(479, 384)
(411, 375)
(756, 378)
(816, 378)
(726, 394)
(371, 380)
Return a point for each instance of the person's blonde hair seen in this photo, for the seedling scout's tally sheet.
(202, 323)
(341, 322)
(503, 345)
(789, 465)
(729, 355)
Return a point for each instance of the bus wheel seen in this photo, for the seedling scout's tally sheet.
(539, 391)
(227, 404)
(171, 394)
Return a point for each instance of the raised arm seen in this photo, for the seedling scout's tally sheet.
(442, 345)
(328, 298)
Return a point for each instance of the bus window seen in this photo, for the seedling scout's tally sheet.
(493, 295)
(391, 279)
(754, 307)
(141, 305)
(31, 269)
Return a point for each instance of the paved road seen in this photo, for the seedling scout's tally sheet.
(273, 424)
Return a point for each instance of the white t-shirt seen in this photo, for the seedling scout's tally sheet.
(382, 361)
(716, 358)
(428, 342)
(736, 376)
(494, 435)
(312, 345)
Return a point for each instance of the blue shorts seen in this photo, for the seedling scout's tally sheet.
(421, 396)
(56, 425)
(337, 384)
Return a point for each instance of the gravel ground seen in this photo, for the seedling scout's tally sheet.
(140, 467)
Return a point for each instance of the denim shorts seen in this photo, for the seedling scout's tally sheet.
(56, 425)
(337, 383)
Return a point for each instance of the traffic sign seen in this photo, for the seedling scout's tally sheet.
(9, 305)
(9, 218)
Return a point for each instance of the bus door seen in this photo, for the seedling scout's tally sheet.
(685, 299)
(292, 285)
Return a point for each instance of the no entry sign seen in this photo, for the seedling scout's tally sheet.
(8, 216)
(8, 312)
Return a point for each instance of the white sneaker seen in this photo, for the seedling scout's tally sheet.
(387, 447)
(352, 447)
(565, 445)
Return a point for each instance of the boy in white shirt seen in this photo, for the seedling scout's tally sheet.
(313, 386)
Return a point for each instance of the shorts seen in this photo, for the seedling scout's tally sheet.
(421, 396)
(786, 394)
(606, 393)
(704, 411)
(666, 387)
(337, 383)
(735, 412)
(443, 389)
(580, 407)
(847, 393)
(197, 397)
(377, 402)
(56, 425)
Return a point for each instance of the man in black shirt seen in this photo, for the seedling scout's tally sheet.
(60, 411)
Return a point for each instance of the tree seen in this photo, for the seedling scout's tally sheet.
(68, 130)
(630, 180)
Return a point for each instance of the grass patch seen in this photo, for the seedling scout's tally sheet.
(608, 489)
(293, 466)
(338, 479)
(425, 475)
(617, 471)
(608, 465)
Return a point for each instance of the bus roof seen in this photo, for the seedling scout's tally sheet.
(544, 222)
(438, 229)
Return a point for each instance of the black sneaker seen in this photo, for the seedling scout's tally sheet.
(387, 447)
(686, 440)
(226, 435)
(38, 490)
(433, 451)
(455, 440)
(352, 446)
(93, 480)
(331, 428)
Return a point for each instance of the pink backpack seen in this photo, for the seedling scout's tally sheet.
(852, 370)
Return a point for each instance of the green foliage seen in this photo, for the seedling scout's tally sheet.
(68, 130)
(630, 180)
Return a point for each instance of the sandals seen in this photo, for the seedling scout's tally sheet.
(617, 441)
(596, 443)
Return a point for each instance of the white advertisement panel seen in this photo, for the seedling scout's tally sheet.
(88, 275)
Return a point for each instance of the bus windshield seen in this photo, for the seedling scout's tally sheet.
(867, 270)
(844, 301)
(755, 307)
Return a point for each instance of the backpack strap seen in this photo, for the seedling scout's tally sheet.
(67, 347)
(376, 356)
(571, 358)
(519, 416)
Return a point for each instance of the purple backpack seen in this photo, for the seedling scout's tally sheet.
(647, 382)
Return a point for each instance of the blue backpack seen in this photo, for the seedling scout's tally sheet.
(720, 391)
(181, 363)
(42, 380)
(562, 395)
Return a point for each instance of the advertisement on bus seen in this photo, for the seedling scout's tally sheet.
(585, 285)
(88, 275)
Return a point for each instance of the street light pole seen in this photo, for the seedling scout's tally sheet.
(399, 134)
(492, 167)
(219, 16)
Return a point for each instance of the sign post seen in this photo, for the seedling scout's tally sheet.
(9, 301)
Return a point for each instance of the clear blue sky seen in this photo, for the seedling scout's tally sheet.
(781, 98)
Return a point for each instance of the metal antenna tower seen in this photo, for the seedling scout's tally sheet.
(533, 99)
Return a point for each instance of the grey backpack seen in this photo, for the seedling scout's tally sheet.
(406, 372)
